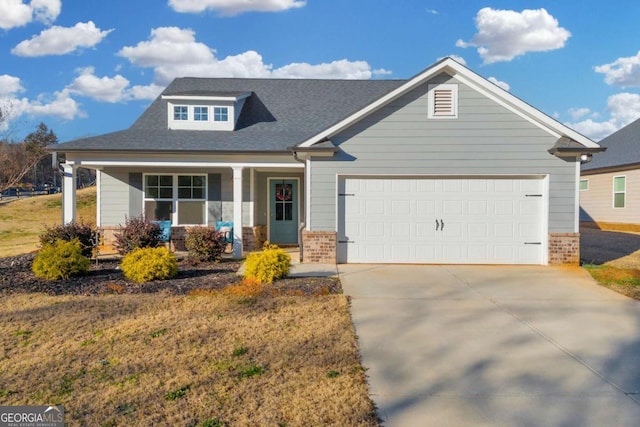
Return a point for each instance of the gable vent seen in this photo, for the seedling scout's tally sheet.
(443, 102)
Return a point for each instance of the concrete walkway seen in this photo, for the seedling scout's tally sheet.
(512, 346)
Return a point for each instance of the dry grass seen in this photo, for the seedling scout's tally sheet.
(625, 281)
(141, 360)
(23, 220)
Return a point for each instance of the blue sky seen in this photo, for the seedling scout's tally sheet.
(91, 67)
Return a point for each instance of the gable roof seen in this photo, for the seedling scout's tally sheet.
(278, 114)
(473, 80)
(281, 114)
(623, 150)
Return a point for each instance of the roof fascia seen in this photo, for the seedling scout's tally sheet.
(475, 81)
(207, 98)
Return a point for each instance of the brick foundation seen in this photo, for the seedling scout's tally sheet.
(253, 237)
(319, 247)
(564, 248)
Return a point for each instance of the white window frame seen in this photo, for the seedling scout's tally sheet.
(624, 192)
(195, 115)
(217, 110)
(175, 200)
(431, 100)
(586, 181)
(174, 113)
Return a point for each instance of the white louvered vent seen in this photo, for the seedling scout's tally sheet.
(443, 101)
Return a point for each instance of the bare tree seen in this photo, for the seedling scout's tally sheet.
(20, 158)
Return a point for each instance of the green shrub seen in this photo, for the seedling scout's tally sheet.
(204, 244)
(137, 233)
(60, 260)
(266, 266)
(86, 234)
(147, 264)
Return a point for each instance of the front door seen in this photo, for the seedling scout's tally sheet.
(283, 213)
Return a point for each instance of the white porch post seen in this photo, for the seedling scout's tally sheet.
(237, 212)
(68, 194)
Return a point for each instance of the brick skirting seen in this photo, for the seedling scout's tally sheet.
(253, 238)
(564, 248)
(319, 247)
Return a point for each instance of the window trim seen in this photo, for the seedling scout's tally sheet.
(217, 111)
(432, 101)
(204, 108)
(175, 200)
(586, 181)
(176, 116)
(623, 192)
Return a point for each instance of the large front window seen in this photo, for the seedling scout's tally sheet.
(179, 198)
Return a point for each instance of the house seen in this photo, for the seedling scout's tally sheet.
(444, 167)
(609, 184)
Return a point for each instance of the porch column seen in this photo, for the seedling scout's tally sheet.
(237, 212)
(68, 193)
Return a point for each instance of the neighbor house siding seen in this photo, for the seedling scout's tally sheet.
(596, 203)
(485, 139)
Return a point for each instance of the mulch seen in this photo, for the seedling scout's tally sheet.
(105, 277)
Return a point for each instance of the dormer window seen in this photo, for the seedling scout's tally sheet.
(201, 114)
(206, 111)
(220, 114)
(180, 112)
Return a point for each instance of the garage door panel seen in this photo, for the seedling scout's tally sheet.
(400, 220)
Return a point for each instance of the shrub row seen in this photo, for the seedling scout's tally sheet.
(67, 249)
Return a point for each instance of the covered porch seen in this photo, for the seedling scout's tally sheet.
(268, 198)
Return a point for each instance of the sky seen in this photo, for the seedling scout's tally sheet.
(86, 67)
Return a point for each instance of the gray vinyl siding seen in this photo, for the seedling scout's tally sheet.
(262, 194)
(114, 197)
(596, 203)
(485, 139)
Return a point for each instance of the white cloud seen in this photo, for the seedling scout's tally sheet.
(10, 85)
(61, 40)
(579, 113)
(622, 72)
(60, 105)
(46, 11)
(235, 7)
(15, 13)
(499, 83)
(504, 34)
(174, 52)
(109, 89)
(336, 69)
(623, 109)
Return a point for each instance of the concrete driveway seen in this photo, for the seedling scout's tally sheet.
(512, 346)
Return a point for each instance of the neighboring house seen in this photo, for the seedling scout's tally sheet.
(610, 183)
(442, 168)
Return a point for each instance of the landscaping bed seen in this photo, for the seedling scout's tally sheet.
(105, 277)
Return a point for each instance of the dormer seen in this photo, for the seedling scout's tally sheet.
(201, 110)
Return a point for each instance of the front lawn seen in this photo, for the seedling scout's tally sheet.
(204, 359)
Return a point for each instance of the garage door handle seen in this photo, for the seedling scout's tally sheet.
(532, 243)
(439, 225)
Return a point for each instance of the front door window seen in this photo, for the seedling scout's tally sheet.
(284, 202)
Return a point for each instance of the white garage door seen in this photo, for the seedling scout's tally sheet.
(452, 221)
